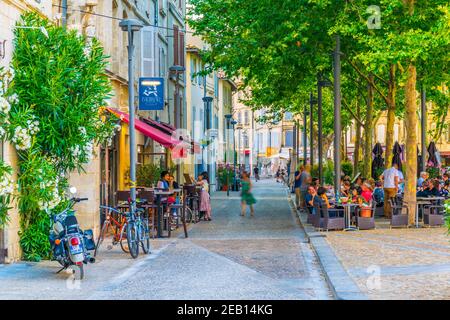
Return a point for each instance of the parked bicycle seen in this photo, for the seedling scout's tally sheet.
(137, 231)
(115, 222)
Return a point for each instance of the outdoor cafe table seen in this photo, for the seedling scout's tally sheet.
(422, 201)
(347, 211)
(159, 194)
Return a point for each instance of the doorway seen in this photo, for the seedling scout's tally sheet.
(108, 174)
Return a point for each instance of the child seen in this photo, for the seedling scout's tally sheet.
(246, 195)
(205, 201)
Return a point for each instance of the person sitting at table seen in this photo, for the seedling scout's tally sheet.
(309, 199)
(164, 184)
(345, 190)
(431, 190)
(205, 201)
(378, 194)
(366, 193)
(322, 198)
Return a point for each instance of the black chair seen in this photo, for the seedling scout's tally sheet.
(148, 203)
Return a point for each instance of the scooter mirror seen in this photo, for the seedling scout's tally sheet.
(73, 190)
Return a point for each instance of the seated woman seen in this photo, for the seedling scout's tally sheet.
(431, 190)
(366, 193)
(345, 190)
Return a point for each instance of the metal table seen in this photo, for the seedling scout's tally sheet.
(348, 218)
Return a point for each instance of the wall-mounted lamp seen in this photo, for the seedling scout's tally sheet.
(2, 49)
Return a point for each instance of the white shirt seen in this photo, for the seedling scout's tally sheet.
(389, 177)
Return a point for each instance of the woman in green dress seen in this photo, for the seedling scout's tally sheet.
(246, 195)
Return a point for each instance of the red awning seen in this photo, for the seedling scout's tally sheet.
(150, 131)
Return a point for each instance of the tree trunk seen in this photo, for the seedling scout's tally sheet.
(357, 139)
(391, 105)
(368, 132)
(411, 143)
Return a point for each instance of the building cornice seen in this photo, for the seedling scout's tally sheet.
(176, 14)
(25, 6)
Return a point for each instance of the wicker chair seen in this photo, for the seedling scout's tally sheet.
(399, 213)
(433, 215)
(365, 223)
(322, 219)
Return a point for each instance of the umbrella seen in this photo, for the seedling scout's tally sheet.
(378, 161)
(396, 157)
(432, 159)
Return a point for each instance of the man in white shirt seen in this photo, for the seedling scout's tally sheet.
(391, 178)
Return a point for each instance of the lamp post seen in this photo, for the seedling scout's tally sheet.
(207, 101)
(233, 123)
(177, 114)
(305, 143)
(320, 83)
(130, 26)
(312, 101)
(228, 118)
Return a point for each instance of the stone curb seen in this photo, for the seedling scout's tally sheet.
(339, 281)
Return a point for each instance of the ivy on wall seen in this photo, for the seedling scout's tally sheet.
(54, 93)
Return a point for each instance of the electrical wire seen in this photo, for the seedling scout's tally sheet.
(115, 18)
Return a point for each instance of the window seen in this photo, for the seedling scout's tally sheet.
(148, 36)
(288, 116)
(239, 118)
(289, 138)
(193, 69)
(246, 118)
(381, 133)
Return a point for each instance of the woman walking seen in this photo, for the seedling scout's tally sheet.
(205, 201)
(246, 195)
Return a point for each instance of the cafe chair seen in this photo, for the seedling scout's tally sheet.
(323, 220)
(433, 215)
(147, 201)
(399, 213)
(365, 223)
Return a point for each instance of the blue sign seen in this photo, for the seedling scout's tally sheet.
(151, 93)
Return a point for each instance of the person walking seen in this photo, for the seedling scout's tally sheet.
(247, 197)
(256, 172)
(391, 179)
(297, 184)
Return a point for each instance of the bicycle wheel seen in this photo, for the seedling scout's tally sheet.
(123, 239)
(132, 239)
(188, 215)
(144, 236)
(101, 236)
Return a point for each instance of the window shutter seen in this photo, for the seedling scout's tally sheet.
(148, 52)
(176, 42)
(181, 49)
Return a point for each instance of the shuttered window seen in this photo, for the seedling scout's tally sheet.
(148, 68)
(176, 42)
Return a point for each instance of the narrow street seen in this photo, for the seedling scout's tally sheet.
(231, 257)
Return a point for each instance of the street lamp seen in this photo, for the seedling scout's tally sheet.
(177, 114)
(228, 118)
(320, 84)
(131, 26)
(312, 101)
(305, 143)
(208, 101)
(233, 123)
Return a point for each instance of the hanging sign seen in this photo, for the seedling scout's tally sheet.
(151, 93)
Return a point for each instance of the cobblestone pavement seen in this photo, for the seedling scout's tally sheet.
(396, 263)
(231, 257)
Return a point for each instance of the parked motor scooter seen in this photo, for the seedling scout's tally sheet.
(70, 245)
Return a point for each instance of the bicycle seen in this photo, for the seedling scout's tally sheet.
(137, 232)
(118, 229)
